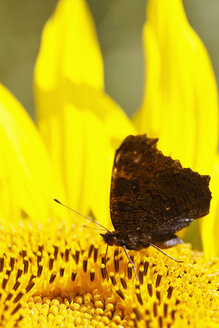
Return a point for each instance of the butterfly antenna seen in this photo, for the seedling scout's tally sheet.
(93, 228)
(84, 216)
(160, 250)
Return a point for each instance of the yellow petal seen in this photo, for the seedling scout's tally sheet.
(80, 125)
(81, 135)
(181, 102)
(69, 48)
(25, 173)
(210, 224)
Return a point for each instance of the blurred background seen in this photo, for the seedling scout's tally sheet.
(119, 25)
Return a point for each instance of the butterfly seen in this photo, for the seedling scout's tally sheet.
(152, 197)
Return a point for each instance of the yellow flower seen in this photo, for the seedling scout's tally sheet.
(53, 272)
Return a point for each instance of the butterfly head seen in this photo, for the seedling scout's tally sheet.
(110, 238)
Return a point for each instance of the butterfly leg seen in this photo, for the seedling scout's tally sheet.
(165, 253)
(106, 254)
(130, 260)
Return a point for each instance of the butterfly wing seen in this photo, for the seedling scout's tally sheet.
(152, 196)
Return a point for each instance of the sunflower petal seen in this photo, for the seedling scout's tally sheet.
(25, 173)
(81, 136)
(81, 126)
(181, 102)
(69, 48)
(210, 224)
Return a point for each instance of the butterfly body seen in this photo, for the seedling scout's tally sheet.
(152, 196)
(114, 238)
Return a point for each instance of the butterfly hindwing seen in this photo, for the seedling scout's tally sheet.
(152, 196)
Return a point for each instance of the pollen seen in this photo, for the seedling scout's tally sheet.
(61, 276)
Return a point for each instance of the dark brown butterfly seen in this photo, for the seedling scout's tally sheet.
(152, 197)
